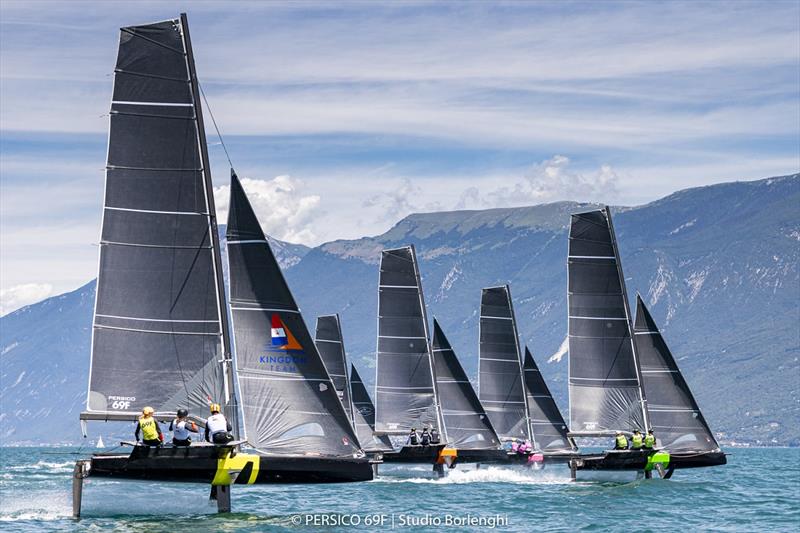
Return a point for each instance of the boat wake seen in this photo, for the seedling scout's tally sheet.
(486, 475)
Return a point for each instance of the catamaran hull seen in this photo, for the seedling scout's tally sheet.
(216, 465)
(414, 454)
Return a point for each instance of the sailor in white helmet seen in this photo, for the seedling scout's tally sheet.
(217, 428)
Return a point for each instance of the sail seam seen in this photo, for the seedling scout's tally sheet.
(152, 212)
(165, 104)
(171, 247)
(99, 326)
(156, 319)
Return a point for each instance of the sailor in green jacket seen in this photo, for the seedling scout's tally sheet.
(650, 440)
(620, 442)
(637, 440)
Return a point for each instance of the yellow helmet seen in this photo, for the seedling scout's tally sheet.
(148, 411)
(215, 408)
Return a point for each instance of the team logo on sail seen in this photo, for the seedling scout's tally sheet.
(282, 349)
(282, 338)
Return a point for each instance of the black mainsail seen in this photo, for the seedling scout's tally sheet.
(675, 417)
(500, 371)
(364, 417)
(289, 404)
(604, 382)
(405, 389)
(468, 426)
(328, 338)
(548, 428)
(160, 334)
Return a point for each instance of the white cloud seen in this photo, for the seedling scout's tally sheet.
(561, 352)
(280, 205)
(18, 296)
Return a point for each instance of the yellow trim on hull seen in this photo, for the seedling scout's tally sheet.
(233, 465)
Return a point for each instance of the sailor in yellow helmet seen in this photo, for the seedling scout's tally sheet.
(217, 427)
(148, 426)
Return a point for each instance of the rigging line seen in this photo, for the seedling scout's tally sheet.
(214, 121)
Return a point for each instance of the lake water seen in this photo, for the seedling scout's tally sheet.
(756, 491)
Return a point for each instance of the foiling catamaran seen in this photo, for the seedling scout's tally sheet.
(514, 392)
(621, 377)
(160, 333)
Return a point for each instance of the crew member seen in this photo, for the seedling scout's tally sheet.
(621, 442)
(181, 427)
(151, 431)
(217, 428)
(413, 439)
(637, 440)
(650, 440)
(435, 438)
(425, 438)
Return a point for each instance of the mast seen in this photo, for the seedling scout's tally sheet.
(628, 317)
(227, 362)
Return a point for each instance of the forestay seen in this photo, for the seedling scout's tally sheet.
(466, 424)
(328, 338)
(674, 414)
(500, 369)
(604, 388)
(288, 401)
(364, 417)
(159, 336)
(548, 428)
(405, 396)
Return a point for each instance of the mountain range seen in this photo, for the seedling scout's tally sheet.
(717, 266)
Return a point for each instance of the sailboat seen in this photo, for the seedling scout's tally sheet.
(469, 429)
(100, 443)
(405, 387)
(364, 418)
(160, 334)
(548, 429)
(607, 383)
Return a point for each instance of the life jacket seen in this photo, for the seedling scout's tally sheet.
(217, 423)
(637, 441)
(622, 442)
(180, 431)
(149, 427)
(649, 441)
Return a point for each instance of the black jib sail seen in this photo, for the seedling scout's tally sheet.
(328, 338)
(364, 417)
(160, 331)
(675, 417)
(289, 404)
(604, 384)
(500, 369)
(548, 428)
(405, 395)
(468, 426)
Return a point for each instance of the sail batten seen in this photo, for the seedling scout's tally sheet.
(159, 334)
(501, 387)
(604, 382)
(289, 403)
(405, 389)
(548, 429)
(675, 416)
(468, 425)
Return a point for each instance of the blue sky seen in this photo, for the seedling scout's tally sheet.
(342, 120)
